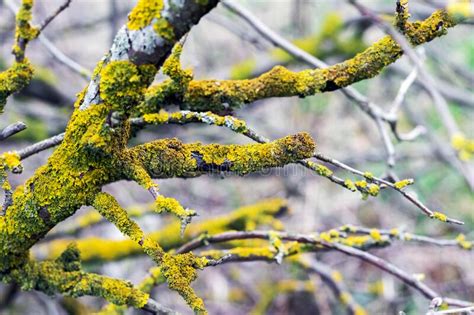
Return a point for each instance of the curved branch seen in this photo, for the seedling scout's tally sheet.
(219, 95)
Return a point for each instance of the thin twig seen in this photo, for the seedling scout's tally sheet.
(12, 129)
(154, 307)
(65, 60)
(40, 146)
(362, 101)
(50, 18)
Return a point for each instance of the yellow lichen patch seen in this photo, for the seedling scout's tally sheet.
(188, 160)
(52, 277)
(320, 169)
(180, 271)
(403, 183)
(172, 68)
(373, 190)
(439, 216)
(112, 211)
(171, 205)
(361, 184)
(376, 288)
(278, 244)
(345, 298)
(123, 84)
(350, 185)
(359, 310)
(14, 79)
(464, 146)
(356, 240)
(143, 13)
(24, 32)
(463, 243)
(375, 234)
(368, 175)
(163, 28)
(23, 18)
(158, 118)
(336, 276)
(10, 159)
(394, 232)
(219, 95)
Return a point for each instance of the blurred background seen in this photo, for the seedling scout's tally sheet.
(222, 46)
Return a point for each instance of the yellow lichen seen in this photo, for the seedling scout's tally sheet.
(463, 243)
(350, 185)
(394, 232)
(323, 170)
(375, 234)
(11, 159)
(439, 216)
(464, 146)
(163, 28)
(373, 190)
(361, 184)
(368, 175)
(143, 13)
(14, 79)
(171, 205)
(123, 84)
(403, 183)
(336, 276)
(180, 271)
(111, 210)
(376, 288)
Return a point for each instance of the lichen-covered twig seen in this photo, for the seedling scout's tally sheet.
(218, 95)
(239, 126)
(323, 241)
(64, 275)
(397, 234)
(405, 40)
(265, 212)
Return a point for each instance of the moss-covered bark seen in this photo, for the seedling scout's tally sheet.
(220, 95)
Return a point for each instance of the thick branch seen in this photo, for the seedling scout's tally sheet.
(172, 158)
(218, 95)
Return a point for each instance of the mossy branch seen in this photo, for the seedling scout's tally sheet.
(64, 275)
(172, 158)
(220, 95)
